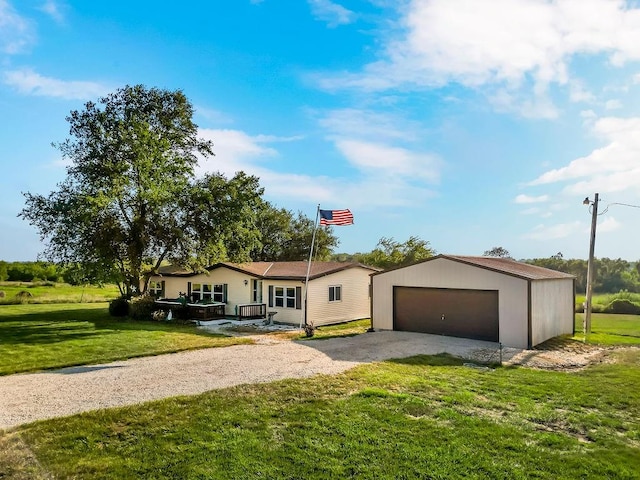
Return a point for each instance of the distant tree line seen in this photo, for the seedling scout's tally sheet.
(39, 272)
(292, 241)
(610, 275)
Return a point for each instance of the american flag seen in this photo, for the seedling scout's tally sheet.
(336, 217)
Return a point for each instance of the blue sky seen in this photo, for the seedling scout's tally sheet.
(468, 123)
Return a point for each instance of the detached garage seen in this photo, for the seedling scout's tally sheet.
(484, 298)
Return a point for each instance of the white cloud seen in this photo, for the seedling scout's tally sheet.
(536, 106)
(554, 232)
(351, 122)
(515, 45)
(374, 185)
(610, 224)
(393, 169)
(51, 8)
(235, 150)
(531, 211)
(28, 82)
(588, 114)
(381, 159)
(614, 167)
(613, 104)
(579, 93)
(529, 199)
(16, 33)
(212, 115)
(331, 13)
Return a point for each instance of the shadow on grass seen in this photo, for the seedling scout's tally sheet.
(85, 369)
(438, 360)
(39, 334)
(56, 326)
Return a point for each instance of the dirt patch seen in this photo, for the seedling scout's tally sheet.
(17, 462)
(562, 353)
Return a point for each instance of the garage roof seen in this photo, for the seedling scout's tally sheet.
(501, 265)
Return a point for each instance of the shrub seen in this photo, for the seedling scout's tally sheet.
(119, 307)
(620, 305)
(142, 307)
(595, 308)
(23, 296)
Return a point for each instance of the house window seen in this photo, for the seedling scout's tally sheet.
(155, 289)
(284, 297)
(256, 291)
(203, 291)
(218, 294)
(335, 293)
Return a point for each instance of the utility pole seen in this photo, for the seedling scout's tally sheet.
(590, 266)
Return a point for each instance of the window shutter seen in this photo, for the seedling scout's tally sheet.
(224, 292)
(189, 291)
(271, 295)
(162, 294)
(298, 298)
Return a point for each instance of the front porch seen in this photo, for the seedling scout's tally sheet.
(204, 311)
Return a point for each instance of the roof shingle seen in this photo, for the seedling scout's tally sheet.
(511, 267)
(277, 270)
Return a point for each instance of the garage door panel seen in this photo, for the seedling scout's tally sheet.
(452, 312)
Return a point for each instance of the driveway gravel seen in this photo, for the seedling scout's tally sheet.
(25, 398)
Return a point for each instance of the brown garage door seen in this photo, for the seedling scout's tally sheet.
(444, 311)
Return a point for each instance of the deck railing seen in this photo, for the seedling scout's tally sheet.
(251, 310)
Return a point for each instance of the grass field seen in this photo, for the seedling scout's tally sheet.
(610, 329)
(423, 417)
(49, 292)
(44, 336)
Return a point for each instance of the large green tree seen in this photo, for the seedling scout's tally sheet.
(130, 199)
(285, 236)
(391, 253)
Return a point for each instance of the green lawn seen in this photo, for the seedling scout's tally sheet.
(44, 336)
(610, 329)
(347, 329)
(49, 292)
(423, 417)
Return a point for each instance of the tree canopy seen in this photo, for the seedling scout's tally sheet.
(130, 199)
(391, 253)
(499, 252)
(285, 236)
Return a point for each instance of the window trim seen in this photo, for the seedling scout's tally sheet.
(155, 288)
(215, 292)
(337, 293)
(288, 298)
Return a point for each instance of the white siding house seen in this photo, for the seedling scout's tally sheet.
(337, 291)
(492, 299)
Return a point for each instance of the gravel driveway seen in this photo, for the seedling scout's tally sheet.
(25, 398)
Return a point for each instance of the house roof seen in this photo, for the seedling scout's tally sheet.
(506, 266)
(275, 270)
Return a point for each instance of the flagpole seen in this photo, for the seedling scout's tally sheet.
(306, 280)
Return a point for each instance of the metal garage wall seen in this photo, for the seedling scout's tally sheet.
(445, 273)
(552, 309)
